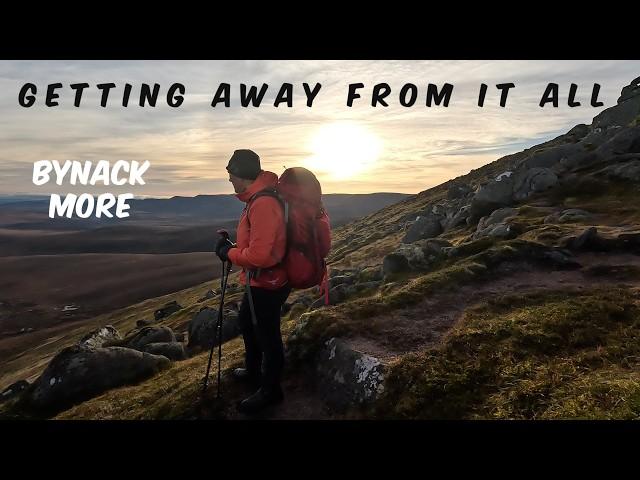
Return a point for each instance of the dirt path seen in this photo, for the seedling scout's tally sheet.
(423, 325)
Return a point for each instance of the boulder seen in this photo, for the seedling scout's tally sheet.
(493, 195)
(97, 338)
(457, 219)
(573, 215)
(630, 91)
(498, 216)
(626, 140)
(172, 350)
(585, 238)
(347, 378)
(458, 190)
(80, 372)
(14, 390)
(337, 294)
(202, 327)
(342, 279)
(577, 133)
(550, 157)
(424, 227)
(394, 263)
(369, 274)
(210, 294)
(532, 181)
(624, 171)
(147, 335)
(179, 337)
(621, 114)
(167, 310)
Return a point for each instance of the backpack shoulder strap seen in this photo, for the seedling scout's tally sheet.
(271, 192)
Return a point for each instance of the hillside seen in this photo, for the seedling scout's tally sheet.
(509, 292)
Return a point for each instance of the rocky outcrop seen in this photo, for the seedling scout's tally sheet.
(166, 310)
(80, 372)
(97, 338)
(347, 377)
(14, 390)
(172, 350)
(203, 328)
(426, 226)
(147, 335)
(533, 181)
(394, 263)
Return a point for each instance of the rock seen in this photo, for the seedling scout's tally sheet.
(97, 338)
(337, 294)
(506, 174)
(347, 378)
(148, 335)
(532, 181)
(394, 263)
(413, 253)
(14, 390)
(573, 215)
(434, 246)
(500, 230)
(550, 157)
(80, 372)
(202, 327)
(629, 240)
(626, 140)
(457, 219)
(490, 197)
(498, 216)
(588, 238)
(424, 227)
(561, 259)
(143, 323)
(210, 294)
(167, 310)
(458, 191)
(624, 171)
(630, 91)
(619, 115)
(359, 287)
(172, 350)
(578, 132)
(342, 279)
(179, 337)
(370, 274)
(584, 239)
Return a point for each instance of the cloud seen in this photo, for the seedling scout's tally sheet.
(189, 146)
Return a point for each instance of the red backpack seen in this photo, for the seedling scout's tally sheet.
(308, 229)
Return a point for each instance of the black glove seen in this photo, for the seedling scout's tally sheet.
(222, 248)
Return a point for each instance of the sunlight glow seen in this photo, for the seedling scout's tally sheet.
(343, 150)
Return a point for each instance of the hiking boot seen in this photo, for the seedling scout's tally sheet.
(260, 400)
(244, 375)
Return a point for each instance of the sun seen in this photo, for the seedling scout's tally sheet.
(343, 150)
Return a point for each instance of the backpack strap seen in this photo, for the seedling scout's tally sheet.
(269, 192)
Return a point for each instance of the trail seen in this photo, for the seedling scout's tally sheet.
(424, 325)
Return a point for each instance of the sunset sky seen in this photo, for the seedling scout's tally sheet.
(353, 150)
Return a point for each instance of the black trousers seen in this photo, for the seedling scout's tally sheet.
(264, 352)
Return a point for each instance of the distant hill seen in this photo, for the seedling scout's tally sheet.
(173, 225)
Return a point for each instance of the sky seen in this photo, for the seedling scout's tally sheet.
(352, 150)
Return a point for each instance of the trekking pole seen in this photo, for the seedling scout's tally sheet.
(226, 268)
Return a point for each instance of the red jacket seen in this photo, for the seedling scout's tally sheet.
(261, 236)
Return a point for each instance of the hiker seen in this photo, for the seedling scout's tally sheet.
(260, 247)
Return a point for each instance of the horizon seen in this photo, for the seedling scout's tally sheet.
(359, 150)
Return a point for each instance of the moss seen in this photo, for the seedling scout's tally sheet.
(542, 355)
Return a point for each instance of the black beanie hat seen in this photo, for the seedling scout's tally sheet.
(244, 164)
